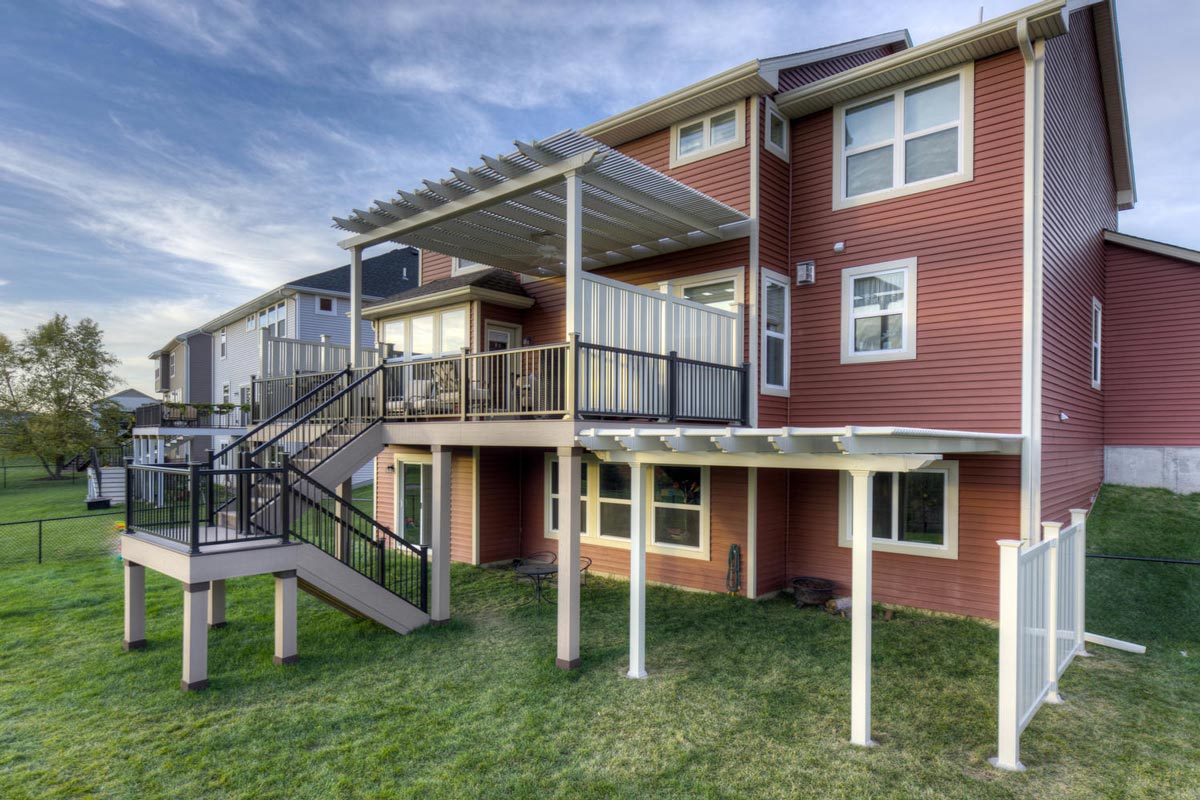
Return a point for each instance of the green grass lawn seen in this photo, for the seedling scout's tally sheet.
(744, 699)
(27, 494)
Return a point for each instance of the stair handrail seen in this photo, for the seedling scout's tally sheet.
(330, 401)
(227, 449)
(94, 459)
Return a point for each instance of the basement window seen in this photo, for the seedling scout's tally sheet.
(708, 135)
(911, 512)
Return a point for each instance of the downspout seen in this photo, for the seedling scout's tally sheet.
(1034, 54)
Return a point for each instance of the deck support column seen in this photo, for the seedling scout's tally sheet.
(569, 461)
(135, 607)
(637, 571)
(439, 578)
(216, 604)
(195, 637)
(860, 609)
(356, 306)
(286, 651)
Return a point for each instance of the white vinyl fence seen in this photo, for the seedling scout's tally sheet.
(1041, 625)
(279, 357)
(622, 315)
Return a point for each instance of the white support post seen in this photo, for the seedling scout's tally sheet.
(135, 607)
(195, 637)
(573, 257)
(216, 604)
(1079, 520)
(439, 578)
(637, 570)
(569, 485)
(1050, 530)
(356, 306)
(286, 650)
(860, 610)
(1009, 738)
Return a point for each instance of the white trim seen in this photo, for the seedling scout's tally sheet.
(1097, 341)
(909, 330)
(590, 530)
(332, 305)
(438, 349)
(770, 277)
(772, 110)
(750, 309)
(457, 268)
(675, 286)
(510, 327)
(1152, 246)
(949, 548)
(707, 150)
(900, 188)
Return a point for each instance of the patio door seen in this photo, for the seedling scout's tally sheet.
(414, 487)
(501, 377)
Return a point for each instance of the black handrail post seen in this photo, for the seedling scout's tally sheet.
(285, 497)
(212, 494)
(194, 506)
(128, 495)
(574, 370)
(673, 385)
(381, 550)
(425, 578)
(243, 494)
(745, 420)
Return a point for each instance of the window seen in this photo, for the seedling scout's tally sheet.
(776, 139)
(326, 305)
(172, 365)
(676, 506)
(911, 512)
(913, 138)
(273, 320)
(879, 312)
(429, 334)
(251, 322)
(225, 393)
(222, 346)
(721, 289)
(1096, 325)
(776, 328)
(461, 266)
(704, 136)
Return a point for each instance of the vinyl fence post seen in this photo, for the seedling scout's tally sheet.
(1009, 740)
(1079, 519)
(1050, 530)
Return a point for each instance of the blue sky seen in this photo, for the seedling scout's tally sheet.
(162, 161)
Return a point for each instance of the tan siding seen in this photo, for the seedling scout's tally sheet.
(1079, 204)
(1150, 363)
(385, 491)
(989, 509)
(461, 497)
(725, 177)
(968, 242)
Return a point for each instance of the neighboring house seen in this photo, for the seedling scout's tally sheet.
(129, 399)
(183, 368)
(837, 313)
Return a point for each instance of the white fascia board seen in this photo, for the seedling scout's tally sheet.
(1151, 246)
(459, 294)
(771, 67)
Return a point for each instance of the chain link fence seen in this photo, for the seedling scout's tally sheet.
(60, 539)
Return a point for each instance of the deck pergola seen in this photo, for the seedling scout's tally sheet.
(558, 206)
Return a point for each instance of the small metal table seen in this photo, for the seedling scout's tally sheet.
(539, 572)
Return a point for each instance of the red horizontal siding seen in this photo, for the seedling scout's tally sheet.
(1151, 363)
(461, 497)
(772, 530)
(500, 471)
(968, 243)
(989, 509)
(1079, 204)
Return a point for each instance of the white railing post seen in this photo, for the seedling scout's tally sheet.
(1009, 740)
(1050, 532)
(323, 354)
(1079, 521)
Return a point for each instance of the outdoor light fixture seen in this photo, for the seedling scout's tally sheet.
(391, 468)
(839, 247)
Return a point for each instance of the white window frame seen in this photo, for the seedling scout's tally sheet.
(594, 535)
(708, 151)
(458, 268)
(171, 362)
(772, 110)
(770, 277)
(277, 328)
(437, 315)
(226, 397)
(966, 140)
(252, 322)
(1097, 342)
(949, 547)
(909, 351)
(332, 312)
(675, 286)
(224, 345)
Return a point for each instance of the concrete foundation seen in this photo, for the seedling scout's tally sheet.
(1161, 467)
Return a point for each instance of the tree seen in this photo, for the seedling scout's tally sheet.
(50, 384)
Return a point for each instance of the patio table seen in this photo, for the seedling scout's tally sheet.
(539, 572)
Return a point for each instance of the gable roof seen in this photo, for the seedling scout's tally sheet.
(492, 285)
(129, 399)
(1151, 246)
(382, 275)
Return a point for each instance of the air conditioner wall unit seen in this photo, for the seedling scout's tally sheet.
(806, 273)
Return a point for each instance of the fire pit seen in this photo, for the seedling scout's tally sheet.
(812, 591)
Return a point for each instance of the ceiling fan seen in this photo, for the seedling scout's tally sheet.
(549, 259)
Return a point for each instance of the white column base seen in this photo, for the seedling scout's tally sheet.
(195, 637)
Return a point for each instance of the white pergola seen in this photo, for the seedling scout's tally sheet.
(558, 206)
(861, 451)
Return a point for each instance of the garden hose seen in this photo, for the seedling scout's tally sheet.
(733, 576)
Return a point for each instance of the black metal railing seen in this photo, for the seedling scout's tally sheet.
(190, 415)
